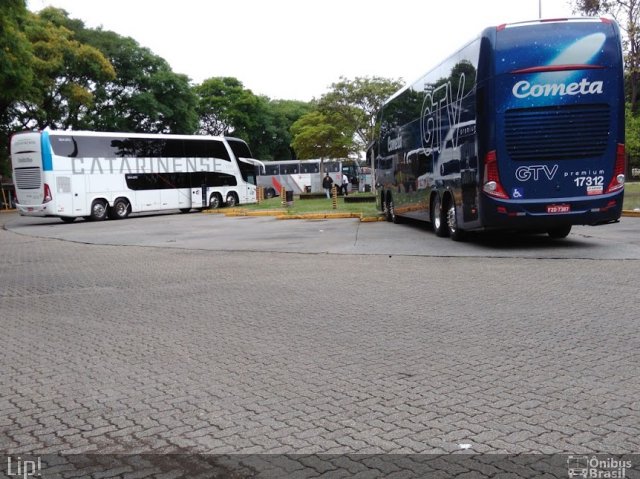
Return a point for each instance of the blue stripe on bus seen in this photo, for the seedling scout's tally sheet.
(45, 146)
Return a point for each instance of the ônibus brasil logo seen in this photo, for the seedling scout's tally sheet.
(524, 89)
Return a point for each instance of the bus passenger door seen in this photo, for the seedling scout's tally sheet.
(250, 187)
(196, 196)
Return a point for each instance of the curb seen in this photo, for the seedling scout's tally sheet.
(283, 215)
(319, 216)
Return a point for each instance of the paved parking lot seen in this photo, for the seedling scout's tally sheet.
(130, 347)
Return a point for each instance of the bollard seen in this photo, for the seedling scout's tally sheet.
(334, 197)
(259, 193)
(283, 196)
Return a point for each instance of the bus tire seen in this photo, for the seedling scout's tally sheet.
(438, 223)
(120, 209)
(68, 219)
(559, 232)
(99, 210)
(232, 200)
(269, 193)
(385, 206)
(215, 201)
(391, 208)
(455, 233)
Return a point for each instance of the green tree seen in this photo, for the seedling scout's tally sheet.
(144, 96)
(632, 138)
(65, 76)
(627, 14)
(15, 53)
(16, 72)
(271, 140)
(322, 135)
(225, 107)
(358, 102)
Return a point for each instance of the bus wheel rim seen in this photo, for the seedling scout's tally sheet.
(98, 209)
(451, 219)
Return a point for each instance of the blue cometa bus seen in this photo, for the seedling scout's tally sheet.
(521, 129)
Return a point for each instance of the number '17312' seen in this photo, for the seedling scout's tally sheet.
(589, 181)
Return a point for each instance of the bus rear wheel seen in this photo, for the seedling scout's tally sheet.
(391, 209)
(385, 207)
(120, 209)
(215, 201)
(232, 200)
(99, 210)
(455, 233)
(437, 221)
(559, 232)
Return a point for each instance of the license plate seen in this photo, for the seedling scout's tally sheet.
(558, 209)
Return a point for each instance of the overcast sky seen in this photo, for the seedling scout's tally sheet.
(295, 49)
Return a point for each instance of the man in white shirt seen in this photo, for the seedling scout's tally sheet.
(345, 184)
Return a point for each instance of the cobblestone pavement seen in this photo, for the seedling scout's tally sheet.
(126, 349)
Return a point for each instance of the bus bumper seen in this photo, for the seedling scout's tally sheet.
(567, 211)
(36, 210)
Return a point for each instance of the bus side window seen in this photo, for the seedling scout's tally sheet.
(271, 170)
(64, 146)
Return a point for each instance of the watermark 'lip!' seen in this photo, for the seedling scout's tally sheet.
(24, 468)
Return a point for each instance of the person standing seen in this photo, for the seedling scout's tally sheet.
(327, 183)
(345, 184)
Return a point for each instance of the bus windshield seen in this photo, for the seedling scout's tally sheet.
(240, 148)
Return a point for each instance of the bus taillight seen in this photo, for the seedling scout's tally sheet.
(47, 194)
(492, 185)
(617, 182)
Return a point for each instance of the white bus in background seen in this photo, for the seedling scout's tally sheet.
(299, 176)
(303, 176)
(95, 175)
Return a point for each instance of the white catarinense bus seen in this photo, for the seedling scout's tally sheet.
(71, 174)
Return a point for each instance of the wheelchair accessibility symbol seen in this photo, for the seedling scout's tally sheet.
(517, 193)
